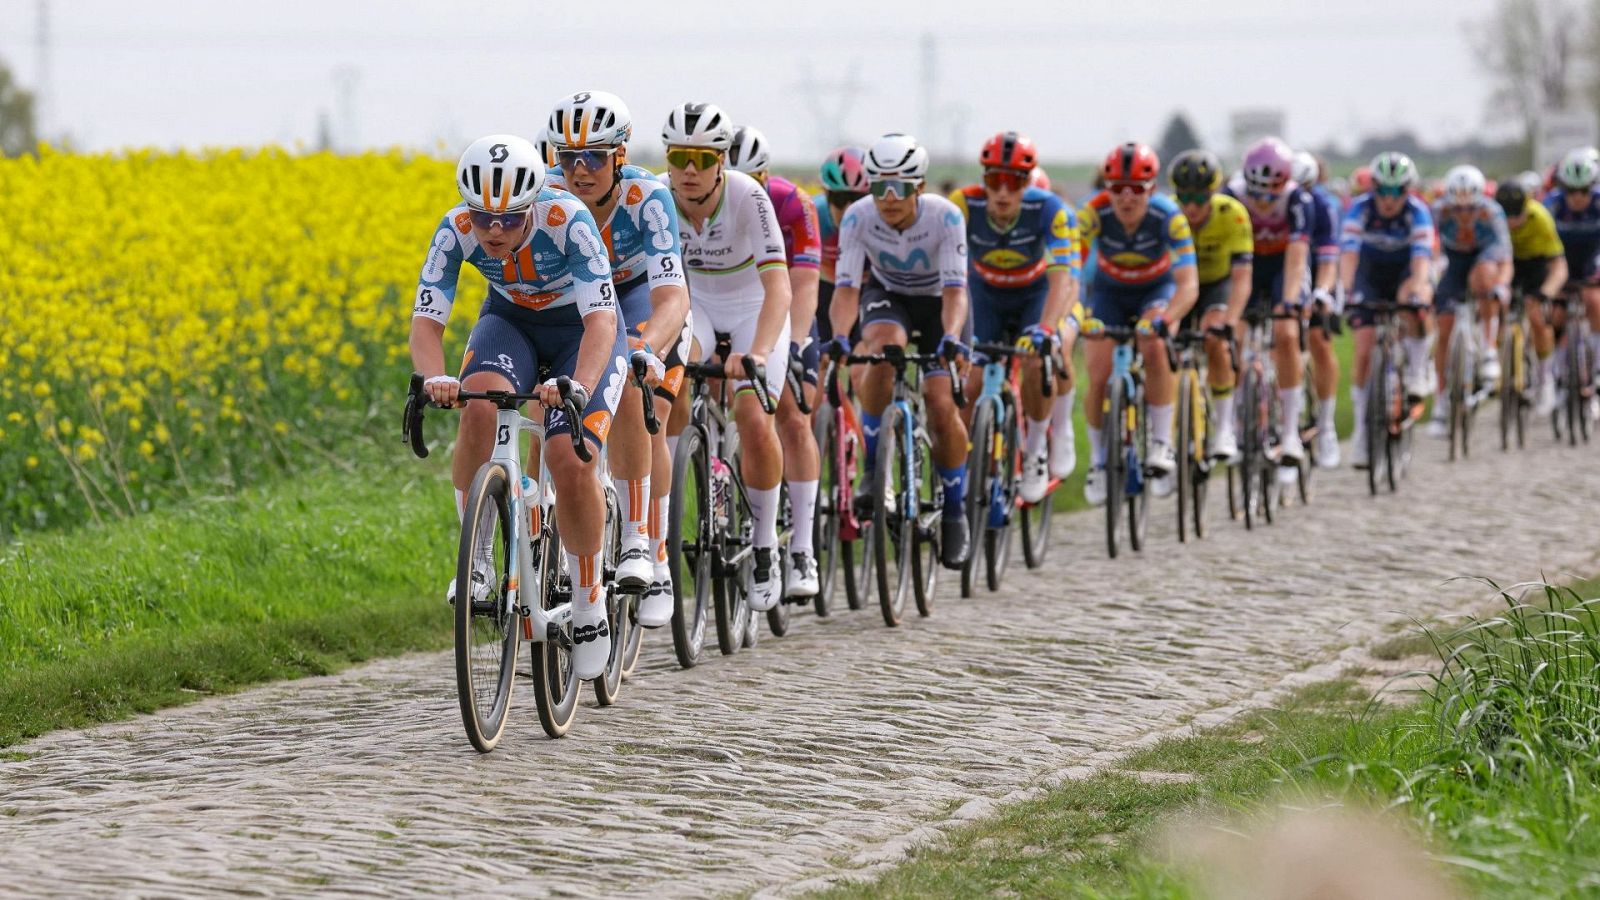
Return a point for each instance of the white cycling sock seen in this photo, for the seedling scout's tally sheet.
(764, 507)
(1417, 354)
(1161, 423)
(1061, 415)
(1289, 406)
(633, 495)
(1441, 400)
(588, 595)
(1097, 446)
(658, 528)
(1224, 407)
(1325, 410)
(1547, 369)
(1035, 442)
(1358, 405)
(803, 506)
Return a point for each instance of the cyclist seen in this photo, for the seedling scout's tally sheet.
(802, 246)
(1022, 272)
(1322, 313)
(1224, 242)
(1281, 214)
(1144, 271)
(638, 222)
(1386, 254)
(916, 290)
(1539, 271)
(738, 286)
(1575, 206)
(844, 181)
(561, 315)
(1477, 249)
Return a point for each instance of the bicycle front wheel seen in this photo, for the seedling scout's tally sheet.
(1116, 470)
(690, 545)
(893, 525)
(825, 534)
(1253, 449)
(778, 616)
(555, 682)
(980, 472)
(1003, 495)
(609, 685)
(924, 525)
(1458, 372)
(1377, 418)
(1139, 489)
(488, 629)
(1183, 443)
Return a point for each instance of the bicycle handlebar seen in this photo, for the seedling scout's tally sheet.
(754, 372)
(795, 378)
(417, 402)
(1047, 383)
(640, 367)
(896, 356)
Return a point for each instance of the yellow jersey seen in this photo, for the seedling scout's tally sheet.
(1536, 237)
(1225, 240)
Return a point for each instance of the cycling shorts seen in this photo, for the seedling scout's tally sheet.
(1452, 287)
(921, 318)
(824, 323)
(738, 322)
(525, 354)
(1266, 289)
(1000, 314)
(1375, 283)
(1119, 304)
(1528, 275)
(1212, 296)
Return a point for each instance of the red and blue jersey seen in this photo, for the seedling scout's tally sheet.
(1157, 247)
(1042, 237)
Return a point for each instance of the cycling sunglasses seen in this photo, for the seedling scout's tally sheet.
(1386, 190)
(898, 188)
(701, 158)
(1130, 187)
(844, 198)
(1007, 179)
(507, 221)
(1196, 199)
(593, 160)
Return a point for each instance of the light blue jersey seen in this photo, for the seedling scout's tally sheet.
(558, 275)
(1478, 229)
(642, 232)
(1384, 241)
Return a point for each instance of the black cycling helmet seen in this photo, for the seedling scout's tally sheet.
(1195, 171)
(1511, 197)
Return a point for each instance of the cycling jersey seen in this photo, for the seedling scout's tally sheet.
(1159, 245)
(642, 231)
(1043, 236)
(1536, 237)
(1478, 231)
(1224, 241)
(1324, 225)
(1287, 221)
(829, 233)
(559, 274)
(797, 219)
(920, 261)
(1579, 231)
(1393, 241)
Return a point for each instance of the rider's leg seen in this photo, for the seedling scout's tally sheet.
(1365, 338)
(876, 384)
(1286, 359)
(802, 466)
(1324, 374)
(1591, 304)
(1063, 402)
(1445, 328)
(631, 455)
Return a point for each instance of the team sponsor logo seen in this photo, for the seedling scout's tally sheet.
(1058, 225)
(557, 216)
(463, 222)
(1004, 259)
(598, 423)
(433, 269)
(634, 195)
(659, 224)
(586, 239)
(498, 153)
(917, 258)
(952, 217)
(501, 362)
(611, 390)
(673, 380)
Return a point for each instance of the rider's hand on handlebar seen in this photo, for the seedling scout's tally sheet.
(1155, 325)
(442, 390)
(1037, 337)
(838, 348)
(951, 347)
(654, 369)
(734, 364)
(550, 394)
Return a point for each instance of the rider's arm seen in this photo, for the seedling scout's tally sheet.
(805, 271)
(953, 275)
(1061, 274)
(766, 250)
(953, 312)
(774, 310)
(436, 291)
(669, 294)
(1185, 272)
(1555, 278)
(1350, 234)
(593, 293)
(1422, 236)
(847, 273)
(1058, 295)
(1297, 256)
(1241, 280)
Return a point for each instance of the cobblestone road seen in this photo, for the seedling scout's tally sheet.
(807, 758)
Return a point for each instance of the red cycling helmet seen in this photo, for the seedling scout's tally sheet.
(1131, 162)
(1009, 150)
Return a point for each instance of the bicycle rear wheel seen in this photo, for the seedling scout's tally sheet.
(1377, 418)
(1183, 443)
(924, 525)
(1456, 388)
(1116, 462)
(488, 631)
(825, 536)
(778, 616)
(731, 581)
(1396, 428)
(1003, 496)
(555, 683)
(893, 526)
(1252, 452)
(609, 684)
(1139, 489)
(980, 474)
(690, 545)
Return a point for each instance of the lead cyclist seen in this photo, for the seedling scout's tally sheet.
(550, 302)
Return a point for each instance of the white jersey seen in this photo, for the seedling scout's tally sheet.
(920, 261)
(739, 241)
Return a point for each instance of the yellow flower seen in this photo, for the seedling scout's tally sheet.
(85, 452)
(32, 462)
(147, 449)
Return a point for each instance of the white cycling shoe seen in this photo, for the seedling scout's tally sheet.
(480, 583)
(1489, 367)
(635, 571)
(1327, 449)
(803, 578)
(1224, 444)
(1439, 423)
(1545, 401)
(764, 580)
(1035, 478)
(1358, 451)
(1094, 486)
(1064, 455)
(655, 607)
(591, 633)
(1162, 463)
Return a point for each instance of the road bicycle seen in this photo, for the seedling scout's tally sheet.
(1575, 380)
(1253, 489)
(1126, 431)
(1391, 414)
(1517, 365)
(1462, 385)
(1191, 421)
(906, 495)
(844, 540)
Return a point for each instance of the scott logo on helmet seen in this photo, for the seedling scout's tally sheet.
(498, 153)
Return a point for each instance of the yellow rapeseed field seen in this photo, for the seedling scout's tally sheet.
(175, 324)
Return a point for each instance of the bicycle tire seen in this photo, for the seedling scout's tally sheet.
(608, 686)
(1251, 452)
(1399, 407)
(484, 691)
(1377, 418)
(1456, 390)
(1115, 462)
(729, 594)
(825, 534)
(980, 471)
(1035, 522)
(892, 531)
(1183, 419)
(1585, 380)
(778, 617)
(555, 682)
(1271, 418)
(997, 538)
(1310, 430)
(1139, 495)
(690, 546)
(924, 522)
(1200, 477)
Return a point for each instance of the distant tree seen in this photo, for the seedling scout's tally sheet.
(1177, 137)
(1530, 48)
(17, 135)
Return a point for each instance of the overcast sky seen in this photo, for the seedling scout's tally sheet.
(1076, 76)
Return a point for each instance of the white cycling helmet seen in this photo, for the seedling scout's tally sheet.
(1464, 185)
(896, 156)
(546, 149)
(1392, 169)
(590, 119)
(749, 151)
(1304, 170)
(1532, 182)
(500, 173)
(1579, 170)
(697, 125)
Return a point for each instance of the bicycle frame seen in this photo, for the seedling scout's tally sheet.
(1124, 369)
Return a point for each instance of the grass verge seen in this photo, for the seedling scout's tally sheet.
(1495, 773)
(299, 578)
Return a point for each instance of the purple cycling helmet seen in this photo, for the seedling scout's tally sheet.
(1267, 165)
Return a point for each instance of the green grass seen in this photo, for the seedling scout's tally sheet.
(298, 578)
(1496, 769)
